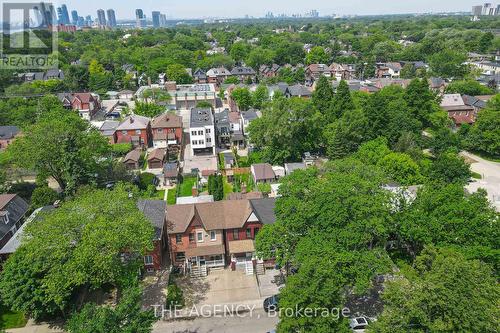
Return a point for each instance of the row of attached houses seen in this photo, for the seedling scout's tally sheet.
(463, 109)
(216, 234)
(219, 74)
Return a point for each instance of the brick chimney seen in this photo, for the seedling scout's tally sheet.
(170, 86)
(194, 191)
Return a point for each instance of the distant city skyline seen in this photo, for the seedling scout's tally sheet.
(259, 8)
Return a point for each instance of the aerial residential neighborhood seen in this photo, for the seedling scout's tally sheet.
(274, 169)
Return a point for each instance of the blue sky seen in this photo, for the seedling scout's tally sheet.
(238, 8)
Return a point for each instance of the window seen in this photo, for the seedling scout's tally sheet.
(200, 132)
(212, 235)
(195, 142)
(180, 256)
(148, 260)
(178, 239)
(124, 132)
(193, 132)
(208, 130)
(199, 236)
(160, 130)
(138, 132)
(209, 140)
(191, 237)
(202, 142)
(248, 233)
(255, 231)
(236, 235)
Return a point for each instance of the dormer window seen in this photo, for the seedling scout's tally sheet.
(4, 217)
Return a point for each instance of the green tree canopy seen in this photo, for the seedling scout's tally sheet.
(444, 293)
(63, 146)
(94, 240)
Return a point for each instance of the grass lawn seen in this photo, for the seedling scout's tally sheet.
(186, 186)
(476, 175)
(228, 187)
(171, 196)
(10, 319)
(160, 195)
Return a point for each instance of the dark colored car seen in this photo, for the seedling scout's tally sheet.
(271, 303)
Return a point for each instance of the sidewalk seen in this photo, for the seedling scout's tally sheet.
(32, 327)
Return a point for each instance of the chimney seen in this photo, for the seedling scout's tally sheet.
(131, 120)
(170, 86)
(194, 191)
(149, 81)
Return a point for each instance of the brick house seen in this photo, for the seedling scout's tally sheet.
(136, 130)
(167, 130)
(154, 210)
(215, 234)
(86, 104)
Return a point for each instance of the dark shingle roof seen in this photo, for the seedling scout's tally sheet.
(16, 208)
(155, 213)
(8, 132)
(264, 209)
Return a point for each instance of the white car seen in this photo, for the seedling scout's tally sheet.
(358, 324)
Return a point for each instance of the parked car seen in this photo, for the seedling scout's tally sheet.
(358, 324)
(271, 303)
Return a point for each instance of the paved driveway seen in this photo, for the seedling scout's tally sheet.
(220, 287)
(490, 172)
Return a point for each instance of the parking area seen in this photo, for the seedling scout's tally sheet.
(270, 283)
(220, 287)
(203, 162)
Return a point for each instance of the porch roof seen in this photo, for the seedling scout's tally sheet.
(240, 246)
(205, 250)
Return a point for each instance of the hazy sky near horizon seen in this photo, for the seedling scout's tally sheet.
(125, 9)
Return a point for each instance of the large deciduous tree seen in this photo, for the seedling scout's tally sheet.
(94, 240)
(444, 293)
(62, 146)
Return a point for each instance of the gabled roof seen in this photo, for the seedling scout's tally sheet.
(264, 209)
(249, 115)
(84, 97)
(15, 207)
(451, 100)
(133, 156)
(155, 213)
(238, 70)
(299, 90)
(157, 154)
(263, 171)
(133, 122)
(167, 120)
(219, 71)
(226, 214)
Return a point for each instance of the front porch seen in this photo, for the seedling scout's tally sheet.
(200, 260)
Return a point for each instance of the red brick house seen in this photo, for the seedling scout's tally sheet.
(154, 210)
(214, 234)
(167, 130)
(136, 130)
(86, 104)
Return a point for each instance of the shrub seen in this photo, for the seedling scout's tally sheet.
(174, 296)
(121, 149)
